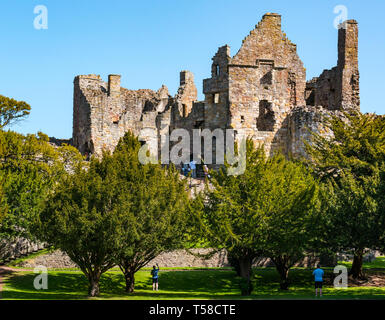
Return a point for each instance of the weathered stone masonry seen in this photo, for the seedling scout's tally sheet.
(261, 92)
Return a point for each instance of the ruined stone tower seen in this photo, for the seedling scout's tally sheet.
(261, 93)
(338, 88)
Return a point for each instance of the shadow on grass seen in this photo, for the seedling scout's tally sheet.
(60, 286)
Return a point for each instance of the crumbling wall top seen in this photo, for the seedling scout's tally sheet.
(266, 41)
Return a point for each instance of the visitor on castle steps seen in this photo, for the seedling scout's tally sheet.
(185, 169)
(193, 169)
(155, 277)
(206, 170)
(318, 280)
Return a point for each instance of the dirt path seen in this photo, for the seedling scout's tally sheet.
(4, 269)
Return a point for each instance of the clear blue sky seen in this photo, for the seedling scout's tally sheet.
(149, 42)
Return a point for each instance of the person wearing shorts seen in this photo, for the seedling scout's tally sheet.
(318, 280)
(155, 277)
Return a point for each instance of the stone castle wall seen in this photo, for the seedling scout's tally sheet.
(261, 93)
(338, 88)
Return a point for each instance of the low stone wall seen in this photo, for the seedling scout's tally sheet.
(182, 258)
(179, 259)
(56, 259)
(173, 259)
(15, 248)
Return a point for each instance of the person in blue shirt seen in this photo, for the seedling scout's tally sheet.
(193, 168)
(318, 278)
(154, 273)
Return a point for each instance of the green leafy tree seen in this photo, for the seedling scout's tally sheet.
(12, 110)
(354, 216)
(29, 168)
(380, 197)
(82, 218)
(290, 205)
(3, 201)
(228, 218)
(356, 144)
(117, 212)
(267, 210)
(351, 155)
(157, 214)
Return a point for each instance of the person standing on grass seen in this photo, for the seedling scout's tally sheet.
(155, 277)
(318, 278)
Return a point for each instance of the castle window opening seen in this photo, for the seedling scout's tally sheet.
(216, 98)
(198, 124)
(266, 119)
(267, 78)
(184, 110)
(215, 70)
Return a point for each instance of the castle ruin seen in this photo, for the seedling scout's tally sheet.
(261, 93)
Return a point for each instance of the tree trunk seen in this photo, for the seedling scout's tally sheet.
(130, 281)
(94, 290)
(356, 271)
(283, 271)
(245, 272)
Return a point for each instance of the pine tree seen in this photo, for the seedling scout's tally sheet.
(116, 212)
(265, 211)
(157, 216)
(349, 161)
(29, 167)
(354, 216)
(82, 218)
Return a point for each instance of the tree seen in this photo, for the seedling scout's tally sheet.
(82, 218)
(156, 217)
(229, 219)
(117, 212)
(350, 158)
(12, 110)
(266, 210)
(29, 167)
(290, 208)
(381, 208)
(3, 201)
(356, 143)
(354, 215)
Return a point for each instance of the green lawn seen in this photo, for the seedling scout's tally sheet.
(378, 263)
(177, 284)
